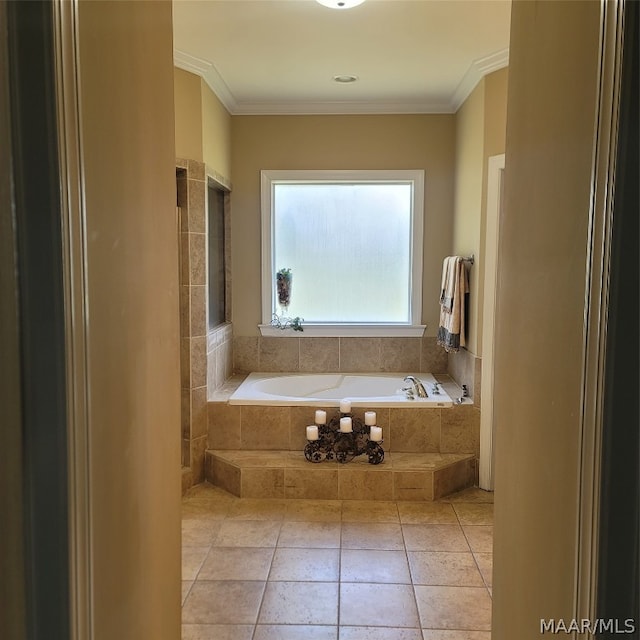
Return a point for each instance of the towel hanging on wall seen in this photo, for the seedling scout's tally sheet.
(453, 304)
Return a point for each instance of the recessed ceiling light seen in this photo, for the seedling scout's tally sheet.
(345, 79)
(340, 4)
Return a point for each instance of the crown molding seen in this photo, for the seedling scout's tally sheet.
(207, 71)
(478, 70)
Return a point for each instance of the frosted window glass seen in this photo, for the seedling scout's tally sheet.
(349, 250)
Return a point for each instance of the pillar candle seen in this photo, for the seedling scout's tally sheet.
(345, 406)
(369, 417)
(346, 426)
(321, 417)
(375, 434)
(312, 432)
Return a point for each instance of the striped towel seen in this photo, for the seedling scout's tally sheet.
(453, 302)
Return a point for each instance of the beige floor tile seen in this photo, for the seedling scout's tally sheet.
(369, 511)
(257, 509)
(444, 569)
(223, 602)
(366, 565)
(485, 564)
(217, 631)
(480, 537)
(378, 605)
(199, 533)
(434, 537)
(237, 563)
(310, 565)
(426, 513)
(192, 559)
(204, 510)
(454, 608)
(379, 633)
(248, 533)
(231, 546)
(372, 535)
(300, 603)
(440, 634)
(313, 510)
(469, 513)
(473, 494)
(295, 632)
(207, 493)
(311, 535)
(186, 586)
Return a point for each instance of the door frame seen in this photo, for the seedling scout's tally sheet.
(495, 176)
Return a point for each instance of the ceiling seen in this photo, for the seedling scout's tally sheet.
(280, 56)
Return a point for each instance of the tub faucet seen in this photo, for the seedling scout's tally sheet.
(418, 387)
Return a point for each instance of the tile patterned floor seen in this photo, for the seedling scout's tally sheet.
(336, 570)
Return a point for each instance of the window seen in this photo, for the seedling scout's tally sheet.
(353, 243)
(217, 279)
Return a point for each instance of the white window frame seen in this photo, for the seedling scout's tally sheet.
(414, 177)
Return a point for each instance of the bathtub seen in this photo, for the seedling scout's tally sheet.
(327, 389)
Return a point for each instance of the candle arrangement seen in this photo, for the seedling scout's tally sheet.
(344, 437)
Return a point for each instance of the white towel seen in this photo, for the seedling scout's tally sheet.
(449, 279)
(453, 304)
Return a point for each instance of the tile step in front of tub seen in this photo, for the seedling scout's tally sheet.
(286, 474)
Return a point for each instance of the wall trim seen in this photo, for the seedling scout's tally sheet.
(478, 70)
(75, 294)
(495, 171)
(208, 72)
(596, 306)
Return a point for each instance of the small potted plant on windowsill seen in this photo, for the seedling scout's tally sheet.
(283, 287)
(283, 284)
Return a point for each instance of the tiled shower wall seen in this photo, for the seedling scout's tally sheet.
(205, 355)
(315, 355)
(191, 187)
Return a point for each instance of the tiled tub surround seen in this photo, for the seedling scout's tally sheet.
(417, 444)
(318, 355)
(466, 368)
(219, 356)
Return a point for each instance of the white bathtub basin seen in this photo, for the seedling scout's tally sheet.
(327, 389)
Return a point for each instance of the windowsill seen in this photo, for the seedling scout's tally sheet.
(345, 331)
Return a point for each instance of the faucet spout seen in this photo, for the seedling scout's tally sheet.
(418, 387)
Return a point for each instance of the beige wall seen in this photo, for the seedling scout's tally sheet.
(188, 115)
(540, 306)
(337, 142)
(202, 125)
(216, 134)
(480, 134)
(126, 69)
(495, 113)
(468, 195)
